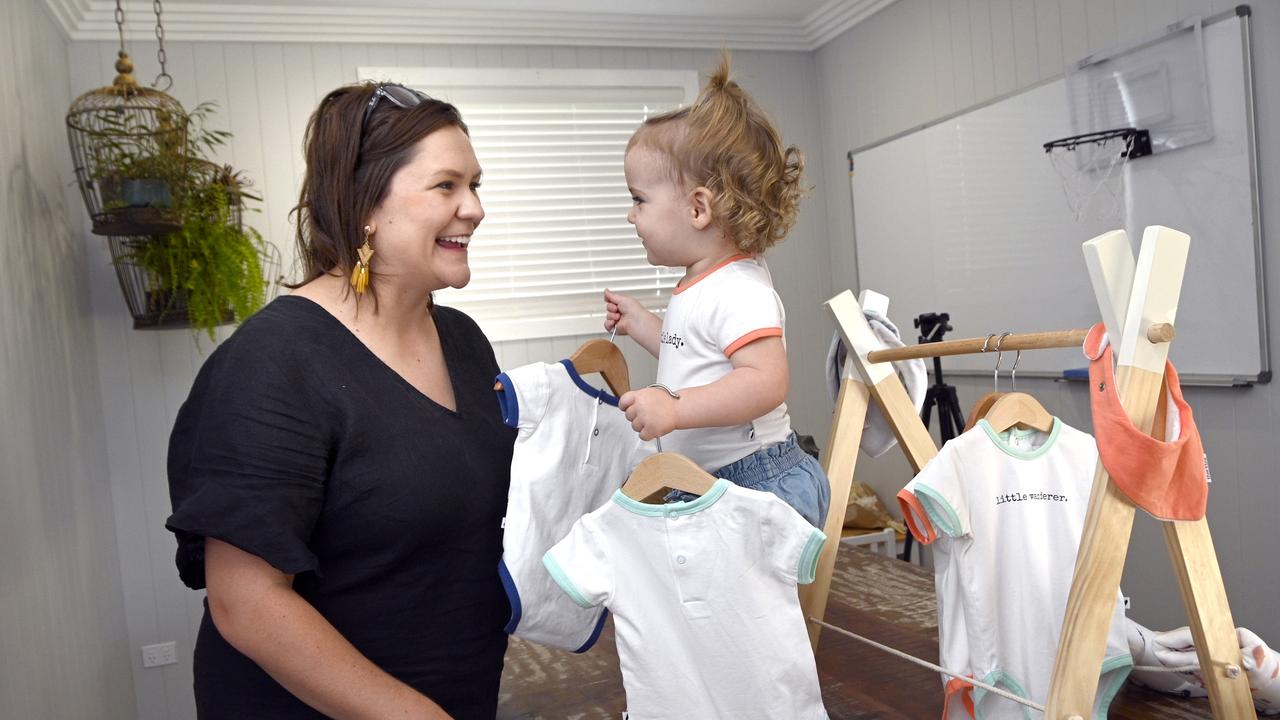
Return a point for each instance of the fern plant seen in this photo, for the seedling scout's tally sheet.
(211, 266)
(213, 263)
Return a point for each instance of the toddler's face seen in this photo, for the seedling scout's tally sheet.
(660, 209)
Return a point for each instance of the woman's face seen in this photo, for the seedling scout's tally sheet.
(423, 225)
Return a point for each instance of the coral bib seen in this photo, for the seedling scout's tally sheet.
(1165, 478)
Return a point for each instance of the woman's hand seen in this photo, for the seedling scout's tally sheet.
(625, 314)
(652, 411)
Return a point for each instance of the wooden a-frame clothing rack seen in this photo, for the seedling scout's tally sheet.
(1137, 302)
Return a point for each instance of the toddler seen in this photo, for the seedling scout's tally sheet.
(712, 188)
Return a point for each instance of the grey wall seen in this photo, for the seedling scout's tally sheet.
(63, 651)
(86, 403)
(265, 92)
(919, 60)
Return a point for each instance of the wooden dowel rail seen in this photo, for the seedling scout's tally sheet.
(1157, 333)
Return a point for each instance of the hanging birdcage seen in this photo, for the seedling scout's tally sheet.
(127, 143)
(129, 146)
(182, 254)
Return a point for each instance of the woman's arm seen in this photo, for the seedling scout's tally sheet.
(756, 385)
(256, 610)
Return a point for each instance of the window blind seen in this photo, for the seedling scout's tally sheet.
(555, 232)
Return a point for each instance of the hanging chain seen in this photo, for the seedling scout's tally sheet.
(120, 24)
(160, 54)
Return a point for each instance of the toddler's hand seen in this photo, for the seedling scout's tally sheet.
(621, 311)
(652, 411)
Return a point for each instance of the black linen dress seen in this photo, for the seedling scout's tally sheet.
(298, 445)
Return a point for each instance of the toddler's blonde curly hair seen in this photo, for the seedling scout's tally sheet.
(725, 143)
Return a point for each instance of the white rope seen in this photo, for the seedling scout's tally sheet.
(978, 683)
(911, 658)
(1161, 668)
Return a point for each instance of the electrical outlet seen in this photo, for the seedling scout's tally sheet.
(158, 655)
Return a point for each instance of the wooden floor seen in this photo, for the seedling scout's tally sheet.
(884, 599)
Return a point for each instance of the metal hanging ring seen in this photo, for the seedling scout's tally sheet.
(1013, 374)
(161, 55)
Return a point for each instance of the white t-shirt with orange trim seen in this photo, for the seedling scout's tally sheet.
(1006, 510)
(709, 319)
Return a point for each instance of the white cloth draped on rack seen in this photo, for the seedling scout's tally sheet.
(877, 438)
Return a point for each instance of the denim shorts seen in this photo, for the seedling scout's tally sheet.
(784, 470)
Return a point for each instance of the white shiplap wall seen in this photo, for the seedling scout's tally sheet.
(919, 60)
(266, 92)
(63, 643)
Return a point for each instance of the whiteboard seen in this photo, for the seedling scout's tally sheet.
(967, 216)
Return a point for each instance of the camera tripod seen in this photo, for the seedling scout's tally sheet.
(950, 420)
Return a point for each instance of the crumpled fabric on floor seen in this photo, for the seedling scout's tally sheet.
(1176, 648)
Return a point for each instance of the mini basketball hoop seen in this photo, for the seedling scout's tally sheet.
(1089, 166)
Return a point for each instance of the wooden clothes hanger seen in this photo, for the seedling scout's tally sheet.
(664, 470)
(599, 356)
(981, 408)
(1017, 409)
(602, 356)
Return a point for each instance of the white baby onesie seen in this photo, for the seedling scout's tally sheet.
(573, 449)
(704, 602)
(1009, 509)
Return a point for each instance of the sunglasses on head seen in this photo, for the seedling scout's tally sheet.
(398, 95)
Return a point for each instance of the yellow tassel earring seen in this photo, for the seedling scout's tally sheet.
(360, 275)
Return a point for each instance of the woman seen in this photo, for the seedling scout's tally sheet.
(339, 472)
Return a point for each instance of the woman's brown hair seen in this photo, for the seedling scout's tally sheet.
(349, 170)
(725, 143)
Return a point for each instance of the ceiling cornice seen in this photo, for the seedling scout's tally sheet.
(829, 21)
(208, 21)
(67, 13)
